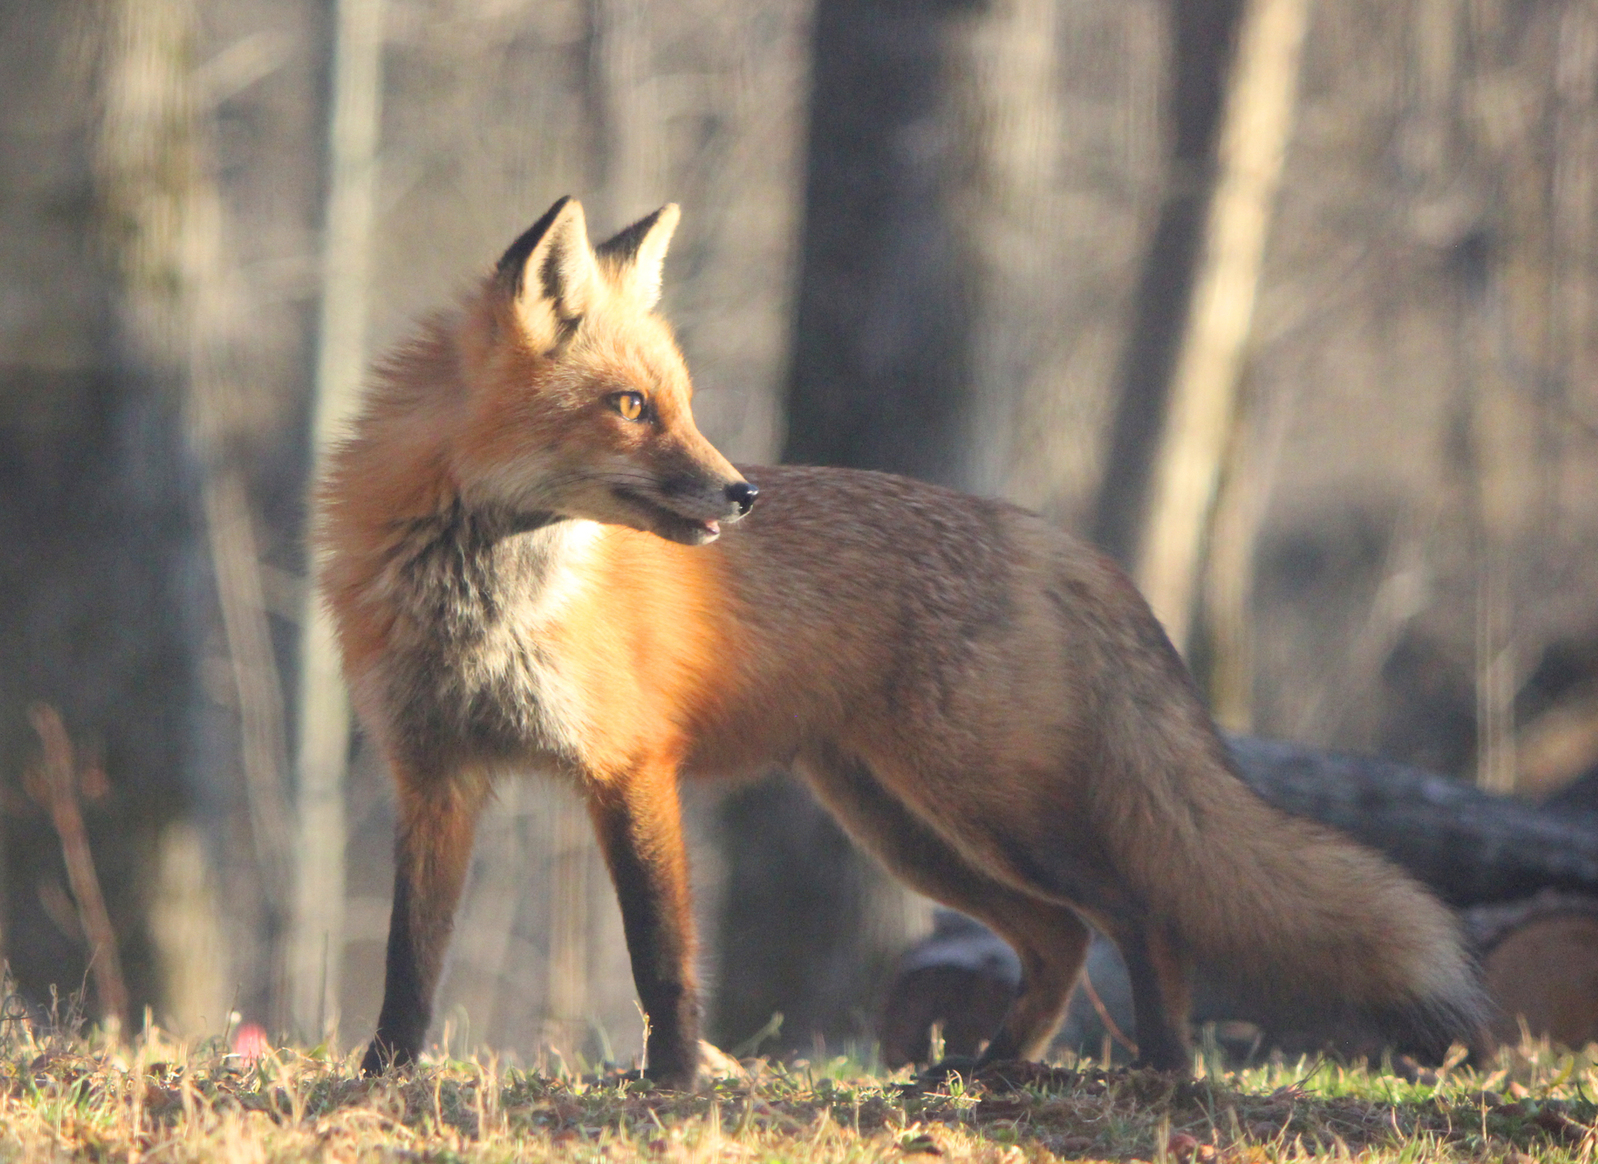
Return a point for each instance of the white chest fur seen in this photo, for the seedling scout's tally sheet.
(472, 670)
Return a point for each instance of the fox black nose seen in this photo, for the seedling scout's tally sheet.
(742, 494)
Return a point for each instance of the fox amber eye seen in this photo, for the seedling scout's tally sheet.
(629, 404)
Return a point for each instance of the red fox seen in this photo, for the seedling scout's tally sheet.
(534, 559)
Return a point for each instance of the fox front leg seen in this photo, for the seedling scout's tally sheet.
(639, 825)
(432, 850)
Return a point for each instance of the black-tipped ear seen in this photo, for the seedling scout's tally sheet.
(514, 261)
(634, 257)
(550, 274)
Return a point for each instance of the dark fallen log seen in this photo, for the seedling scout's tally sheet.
(1471, 847)
(1490, 855)
(1578, 797)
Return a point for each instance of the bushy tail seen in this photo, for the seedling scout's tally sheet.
(1285, 910)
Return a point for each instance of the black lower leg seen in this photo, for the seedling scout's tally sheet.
(432, 850)
(643, 848)
(1159, 1002)
(407, 1005)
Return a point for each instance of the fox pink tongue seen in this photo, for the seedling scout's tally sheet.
(711, 526)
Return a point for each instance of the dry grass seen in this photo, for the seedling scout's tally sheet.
(158, 1100)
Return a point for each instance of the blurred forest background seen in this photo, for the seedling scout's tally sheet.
(1289, 305)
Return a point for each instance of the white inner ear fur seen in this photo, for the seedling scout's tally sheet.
(560, 280)
(640, 279)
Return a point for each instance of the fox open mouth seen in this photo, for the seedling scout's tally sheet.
(670, 524)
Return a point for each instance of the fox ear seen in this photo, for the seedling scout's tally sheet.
(550, 274)
(634, 257)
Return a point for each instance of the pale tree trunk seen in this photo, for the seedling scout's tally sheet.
(1575, 196)
(316, 956)
(1505, 222)
(1490, 416)
(1513, 314)
(575, 864)
(1007, 123)
(216, 315)
(1228, 595)
(185, 922)
(182, 310)
(1255, 130)
(1201, 52)
(629, 156)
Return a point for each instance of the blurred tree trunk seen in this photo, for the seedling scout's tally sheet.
(880, 364)
(882, 344)
(153, 368)
(181, 309)
(1197, 435)
(1201, 46)
(97, 507)
(316, 955)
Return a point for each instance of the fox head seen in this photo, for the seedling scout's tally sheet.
(578, 398)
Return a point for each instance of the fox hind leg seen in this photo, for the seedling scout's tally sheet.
(1051, 963)
(1161, 996)
(1050, 939)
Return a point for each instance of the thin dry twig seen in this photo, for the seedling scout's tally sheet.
(54, 783)
(1104, 1014)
